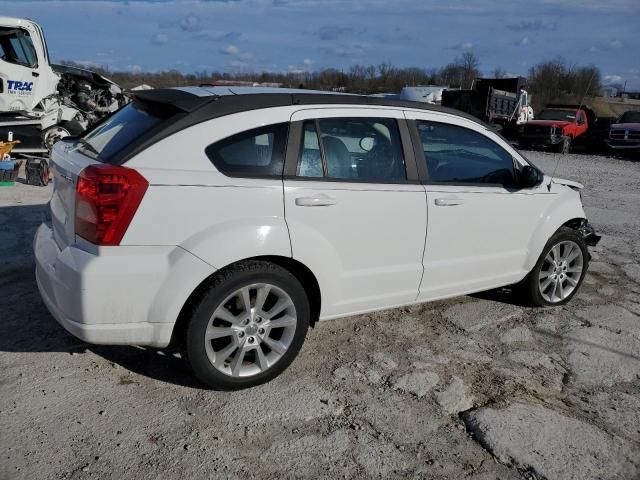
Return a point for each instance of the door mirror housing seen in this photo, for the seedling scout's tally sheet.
(530, 177)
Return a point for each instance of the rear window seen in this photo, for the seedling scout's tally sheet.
(254, 153)
(119, 131)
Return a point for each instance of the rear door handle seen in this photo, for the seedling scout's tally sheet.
(35, 74)
(316, 201)
(448, 202)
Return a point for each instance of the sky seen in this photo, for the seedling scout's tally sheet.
(308, 35)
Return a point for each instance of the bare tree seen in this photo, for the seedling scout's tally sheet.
(498, 72)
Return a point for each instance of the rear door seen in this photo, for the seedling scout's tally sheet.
(480, 224)
(354, 207)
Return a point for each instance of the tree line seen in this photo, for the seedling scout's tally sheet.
(545, 81)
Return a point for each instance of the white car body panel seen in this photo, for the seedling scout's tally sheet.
(377, 246)
(479, 236)
(330, 239)
(220, 219)
(116, 295)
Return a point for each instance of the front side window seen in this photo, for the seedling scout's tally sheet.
(254, 153)
(458, 155)
(16, 47)
(362, 149)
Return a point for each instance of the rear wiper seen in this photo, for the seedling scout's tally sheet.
(89, 147)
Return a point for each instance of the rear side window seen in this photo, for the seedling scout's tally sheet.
(458, 155)
(120, 130)
(254, 153)
(361, 149)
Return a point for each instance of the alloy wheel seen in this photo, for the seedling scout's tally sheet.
(250, 330)
(561, 271)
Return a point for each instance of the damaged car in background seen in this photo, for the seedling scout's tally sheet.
(40, 102)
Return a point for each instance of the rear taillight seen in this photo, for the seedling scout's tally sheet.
(107, 198)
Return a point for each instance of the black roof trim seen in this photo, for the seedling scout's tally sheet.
(194, 109)
(188, 102)
(185, 101)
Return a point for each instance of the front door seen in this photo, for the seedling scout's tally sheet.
(480, 225)
(354, 217)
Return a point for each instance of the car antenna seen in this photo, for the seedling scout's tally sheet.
(584, 96)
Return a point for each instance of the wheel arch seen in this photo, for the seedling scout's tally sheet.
(565, 211)
(304, 275)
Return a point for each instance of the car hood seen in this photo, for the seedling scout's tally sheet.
(626, 126)
(568, 183)
(86, 74)
(548, 123)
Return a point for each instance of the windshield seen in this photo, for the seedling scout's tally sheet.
(118, 131)
(563, 115)
(16, 47)
(630, 117)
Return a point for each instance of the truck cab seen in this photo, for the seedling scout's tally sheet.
(26, 76)
(556, 127)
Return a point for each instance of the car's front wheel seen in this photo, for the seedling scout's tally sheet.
(248, 327)
(560, 270)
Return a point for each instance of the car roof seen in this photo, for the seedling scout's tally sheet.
(189, 106)
(208, 102)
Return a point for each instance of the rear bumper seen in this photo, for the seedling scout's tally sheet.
(121, 296)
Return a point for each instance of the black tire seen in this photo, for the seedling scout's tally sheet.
(523, 145)
(564, 146)
(37, 173)
(224, 284)
(74, 127)
(529, 288)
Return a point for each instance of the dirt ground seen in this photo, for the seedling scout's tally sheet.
(476, 387)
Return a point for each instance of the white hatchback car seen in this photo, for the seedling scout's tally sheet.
(230, 220)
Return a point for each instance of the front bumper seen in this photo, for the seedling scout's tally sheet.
(626, 146)
(121, 296)
(540, 140)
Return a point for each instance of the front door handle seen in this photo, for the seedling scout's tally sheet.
(448, 202)
(316, 201)
(35, 74)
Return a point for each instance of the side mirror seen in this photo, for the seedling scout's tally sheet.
(530, 177)
(581, 121)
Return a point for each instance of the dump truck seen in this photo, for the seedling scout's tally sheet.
(502, 102)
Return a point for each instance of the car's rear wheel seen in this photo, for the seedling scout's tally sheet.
(560, 270)
(248, 327)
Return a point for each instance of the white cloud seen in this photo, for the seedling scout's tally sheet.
(231, 50)
(160, 39)
(135, 68)
(613, 79)
(523, 42)
(616, 43)
(190, 23)
(308, 61)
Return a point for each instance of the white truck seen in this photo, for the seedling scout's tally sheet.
(41, 102)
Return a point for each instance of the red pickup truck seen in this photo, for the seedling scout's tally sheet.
(556, 127)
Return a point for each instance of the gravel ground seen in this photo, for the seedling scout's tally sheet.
(475, 387)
